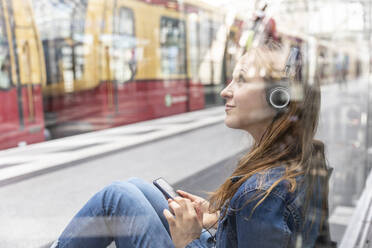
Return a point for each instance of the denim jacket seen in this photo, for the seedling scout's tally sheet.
(277, 222)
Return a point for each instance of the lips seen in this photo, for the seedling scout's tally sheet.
(229, 107)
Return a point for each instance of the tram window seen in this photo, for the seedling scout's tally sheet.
(173, 48)
(124, 44)
(205, 37)
(214, 30)
(4, 57)
(63, 40)
(125, 22)
(53, 60)
(77, 35)
(193, 39)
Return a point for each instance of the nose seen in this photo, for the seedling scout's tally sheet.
(227, 92)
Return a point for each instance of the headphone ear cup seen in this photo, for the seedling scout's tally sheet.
(278, 97)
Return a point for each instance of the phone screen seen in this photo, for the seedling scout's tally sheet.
(165, 187)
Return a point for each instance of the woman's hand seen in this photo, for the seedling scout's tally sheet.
(202, 208)
(186, 225)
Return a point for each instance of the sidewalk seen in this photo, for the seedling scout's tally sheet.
(23, 162)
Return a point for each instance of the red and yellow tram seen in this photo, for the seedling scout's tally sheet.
(116, 62)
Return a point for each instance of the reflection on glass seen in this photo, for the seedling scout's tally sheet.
(123, 52)
(4, 56)
(193, 41)
(173, 46)
(62, 28)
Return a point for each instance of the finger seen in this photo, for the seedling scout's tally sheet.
(187, 195)
(170, 209)
(181, 201)
(194, 213)
(197, 205)
(189, 206)
(176, 208)
(170, 218)
(186, 206)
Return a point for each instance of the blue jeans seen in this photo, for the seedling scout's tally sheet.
(129, 213)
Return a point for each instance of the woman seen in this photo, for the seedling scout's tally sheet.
(276, 197)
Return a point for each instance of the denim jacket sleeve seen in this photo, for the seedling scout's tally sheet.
(204, 241)
(196, 243)
(265, 226)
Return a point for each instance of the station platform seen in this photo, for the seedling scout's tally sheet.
(46, 184)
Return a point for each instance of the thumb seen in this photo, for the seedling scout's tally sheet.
(169, 216)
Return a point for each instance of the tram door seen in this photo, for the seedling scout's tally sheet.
(31, 73)
(9, 118)
(122, 53)
(21, 76)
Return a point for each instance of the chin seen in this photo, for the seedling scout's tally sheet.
(232, 124)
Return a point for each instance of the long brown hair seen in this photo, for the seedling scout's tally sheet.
(288, 140)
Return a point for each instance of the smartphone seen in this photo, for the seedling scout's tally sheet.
(165, 188)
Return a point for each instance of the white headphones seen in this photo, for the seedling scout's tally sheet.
(278, 94)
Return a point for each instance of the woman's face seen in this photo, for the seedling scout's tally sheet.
(246, 106)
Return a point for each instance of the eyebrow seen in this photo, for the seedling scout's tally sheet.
(242, 72)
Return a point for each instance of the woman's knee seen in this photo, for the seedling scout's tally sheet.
(148, 189)
(117, 193)
(120, 188)
(114, 187)
(137, 181)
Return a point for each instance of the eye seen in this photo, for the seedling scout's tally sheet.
(241, 79)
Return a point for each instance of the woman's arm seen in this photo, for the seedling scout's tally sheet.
(186, 224)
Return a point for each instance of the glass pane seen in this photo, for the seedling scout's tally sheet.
(172, 39)
(124, 46)
(263, 101)
(5, 80)
(63, 50)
